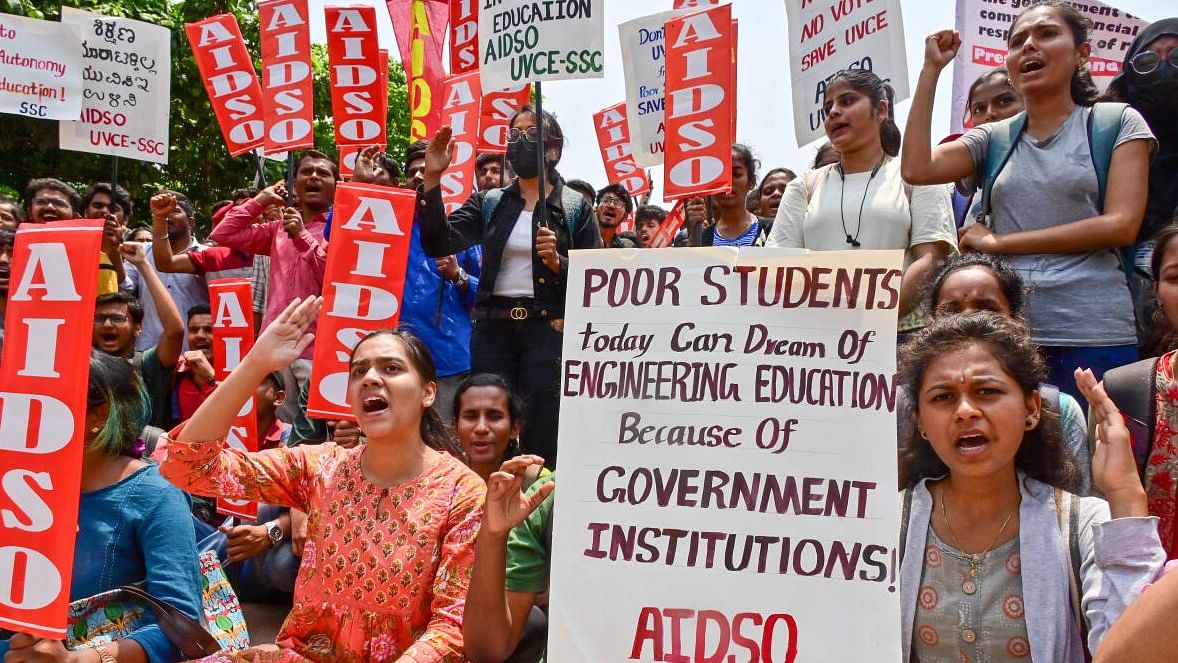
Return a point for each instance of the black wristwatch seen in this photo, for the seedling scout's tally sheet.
(275, 533)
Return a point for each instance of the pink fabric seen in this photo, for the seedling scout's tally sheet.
(296, 263)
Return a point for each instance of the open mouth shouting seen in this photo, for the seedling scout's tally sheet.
(972, 444)
(372, 405)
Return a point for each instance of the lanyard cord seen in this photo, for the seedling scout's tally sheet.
(854, 241)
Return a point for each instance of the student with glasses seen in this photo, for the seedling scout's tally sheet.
(48, 199)
(614, 204)
(519, 311)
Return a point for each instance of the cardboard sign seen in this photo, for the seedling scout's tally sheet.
(230, 80)
(231, 301)
(700, 103)
(40, 68)
(524, 40)
(46, 361)
(827, 37)
(461, 111)
(356, 84)
(128, 88)
(420, 28)
(669, 227)
(464, 36)
(284, 26)
(762, 530)
(984, 27)
(613, 137)
(362, 285)
(495, 118)
(644, 64)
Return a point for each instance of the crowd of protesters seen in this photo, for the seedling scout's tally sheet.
(1039, 257)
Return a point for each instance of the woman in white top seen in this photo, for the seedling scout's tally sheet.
(861, 202)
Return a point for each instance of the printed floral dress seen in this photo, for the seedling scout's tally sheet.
(385, 570)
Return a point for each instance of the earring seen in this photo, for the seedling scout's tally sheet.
(923, 436)
(1031, 422)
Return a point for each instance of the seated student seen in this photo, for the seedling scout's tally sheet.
(982, 282)
(487, 420)
(118, 320)
(647, 221)
(509, 581)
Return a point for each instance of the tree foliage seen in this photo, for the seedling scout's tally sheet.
(198, 162)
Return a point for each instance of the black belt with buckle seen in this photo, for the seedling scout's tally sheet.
(505, 308)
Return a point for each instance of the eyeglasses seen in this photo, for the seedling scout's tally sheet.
(530, 134)
(59, 203)
(113, 318)
(611, 201)
(1146, 62)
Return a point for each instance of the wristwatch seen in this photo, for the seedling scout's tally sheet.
(463, 278)
(275, 533)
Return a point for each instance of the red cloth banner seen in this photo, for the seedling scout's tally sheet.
(233, 335)
(671, 225)
(286, 75)
(420, 29)
(700, 103)
(613, 137)
(497, 109)
(53, 285)
(354, 56)
(693, 4)
(460, 109)
(464, 36)
(230, 80)
(362, 285)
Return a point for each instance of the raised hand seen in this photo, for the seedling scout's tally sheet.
(134, 252)
(940, 48)
(285, 339)
(439, 153)
(275, 194)
(1114, 469)
(162, 205)
(365, 169)
(507, 505)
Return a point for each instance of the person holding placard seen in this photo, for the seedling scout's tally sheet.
(990, 543)
(735, 225)
(1063, 186)
(391, 523)
(519, 313)
(861, 202)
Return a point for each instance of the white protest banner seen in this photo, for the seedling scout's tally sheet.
(127, 88)
(40, 68)
(643, 63)
(523, 40)
(827, 36)
(729, 458)
(984, 25)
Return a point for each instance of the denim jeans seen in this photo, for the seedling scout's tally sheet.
(266, 577)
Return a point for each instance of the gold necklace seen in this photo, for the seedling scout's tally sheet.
(969, 586)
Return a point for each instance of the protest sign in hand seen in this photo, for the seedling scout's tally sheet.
(643, 62)
(127, 90)
(613, 137)
(464, 36)
(233, 335)
(827, 37)
(497, 109)
(42, 419)
(356, 84)
(229, 77)
(728, 458)
(460, 109)
(420, 29)
(524, 40)
(284, 27)
(40, 68)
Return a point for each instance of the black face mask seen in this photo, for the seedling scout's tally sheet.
(1156, 93)
(523, 156)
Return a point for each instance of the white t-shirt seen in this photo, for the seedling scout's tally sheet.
(889, 221)
(515, 268)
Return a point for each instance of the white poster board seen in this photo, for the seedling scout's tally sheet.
(522, 41)
(127, 74)
(40, 68)
(984, 25)
(643, 58)
(727, 479)
(827, 37)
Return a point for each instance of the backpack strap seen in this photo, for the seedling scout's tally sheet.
(1067, 513)
(814, 179)
(1133, 387)
(1104, 125)
(1003, 138)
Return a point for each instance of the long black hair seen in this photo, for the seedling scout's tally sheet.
(1083, 90)
(434, 431)
(1041, 455)
(867, 83)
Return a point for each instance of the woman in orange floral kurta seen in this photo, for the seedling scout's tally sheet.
(391, 524)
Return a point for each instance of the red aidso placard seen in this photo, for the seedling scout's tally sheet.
(613, 137)
(354, 54)
(670, 226)
(362, 285)
(53, 285)
(233, 335)
(229, 77)
(460, 110)
(286, 73)
(497, 109)
(699, 111)
(464, 36)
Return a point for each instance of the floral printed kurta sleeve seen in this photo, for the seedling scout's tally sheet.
(442, 640)
(279, 476)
